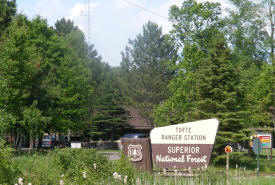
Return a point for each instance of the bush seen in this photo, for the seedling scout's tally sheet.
(77, 162)
(39, 169)
(8, 170)
(124, 167)
(72, 166)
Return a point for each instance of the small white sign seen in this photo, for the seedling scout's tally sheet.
(75, 145)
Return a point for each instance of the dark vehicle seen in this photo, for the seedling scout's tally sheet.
(134, 136)
(49, 141)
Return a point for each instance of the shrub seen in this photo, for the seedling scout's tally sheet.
(124, 167)
(8, 170)
(74, 162)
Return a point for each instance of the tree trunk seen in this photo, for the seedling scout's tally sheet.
(31, 145)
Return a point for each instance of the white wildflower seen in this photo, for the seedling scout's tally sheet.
(20, 181)
(62, 176)
(61, 182)
(115, 175)
(84, 175)
(119, 177)
(29, 183)
(125, 179)
(164, 171)
(94, 166)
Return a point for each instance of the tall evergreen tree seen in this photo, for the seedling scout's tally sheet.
(144, 64)
(207, 82)
(109, 118)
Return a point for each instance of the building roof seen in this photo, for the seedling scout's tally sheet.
(136, 119)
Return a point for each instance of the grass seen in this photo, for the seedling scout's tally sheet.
(264, 153)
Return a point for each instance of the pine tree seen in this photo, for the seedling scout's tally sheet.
(219, 94)
(109, 120)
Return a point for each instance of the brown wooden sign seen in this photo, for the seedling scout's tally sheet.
(184, 145)
(138, 151)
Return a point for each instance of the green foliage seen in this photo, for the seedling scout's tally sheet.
(207, 83)
(109, 118)
(247, 34)
(8, 169)
(260, 96)
(75, 162)
(38, 169)
(195, 22)
(7, 11)
(34, 122)
(39, 67)
(145, 66)
(68, 165)
(241, 159)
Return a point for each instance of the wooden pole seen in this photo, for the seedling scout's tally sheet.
(227, 161)
(271, 154)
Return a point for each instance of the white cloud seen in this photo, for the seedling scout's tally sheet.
(112, 22)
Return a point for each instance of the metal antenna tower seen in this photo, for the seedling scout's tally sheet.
(89, 36)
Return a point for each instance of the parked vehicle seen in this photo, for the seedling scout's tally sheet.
(135, 136)
(49, 141)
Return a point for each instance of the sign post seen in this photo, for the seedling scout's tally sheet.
(257, 148)
(228, 150)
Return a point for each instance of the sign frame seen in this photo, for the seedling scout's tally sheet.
(184, 145)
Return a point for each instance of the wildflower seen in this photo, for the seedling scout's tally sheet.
(205, 166)
(62, 176)
(61, 182)
(138, 181)
(20, 181)
(164, 171)
(115, 175)
(236, 166)
(125, 179)
(189, 169)
(94, 166)
(29, 183)
(119, 177)
(84, 175)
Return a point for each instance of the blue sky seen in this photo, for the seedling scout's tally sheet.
(112, 22)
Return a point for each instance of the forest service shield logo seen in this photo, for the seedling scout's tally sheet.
(135, 152)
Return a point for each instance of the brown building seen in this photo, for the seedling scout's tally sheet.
(138, 121)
